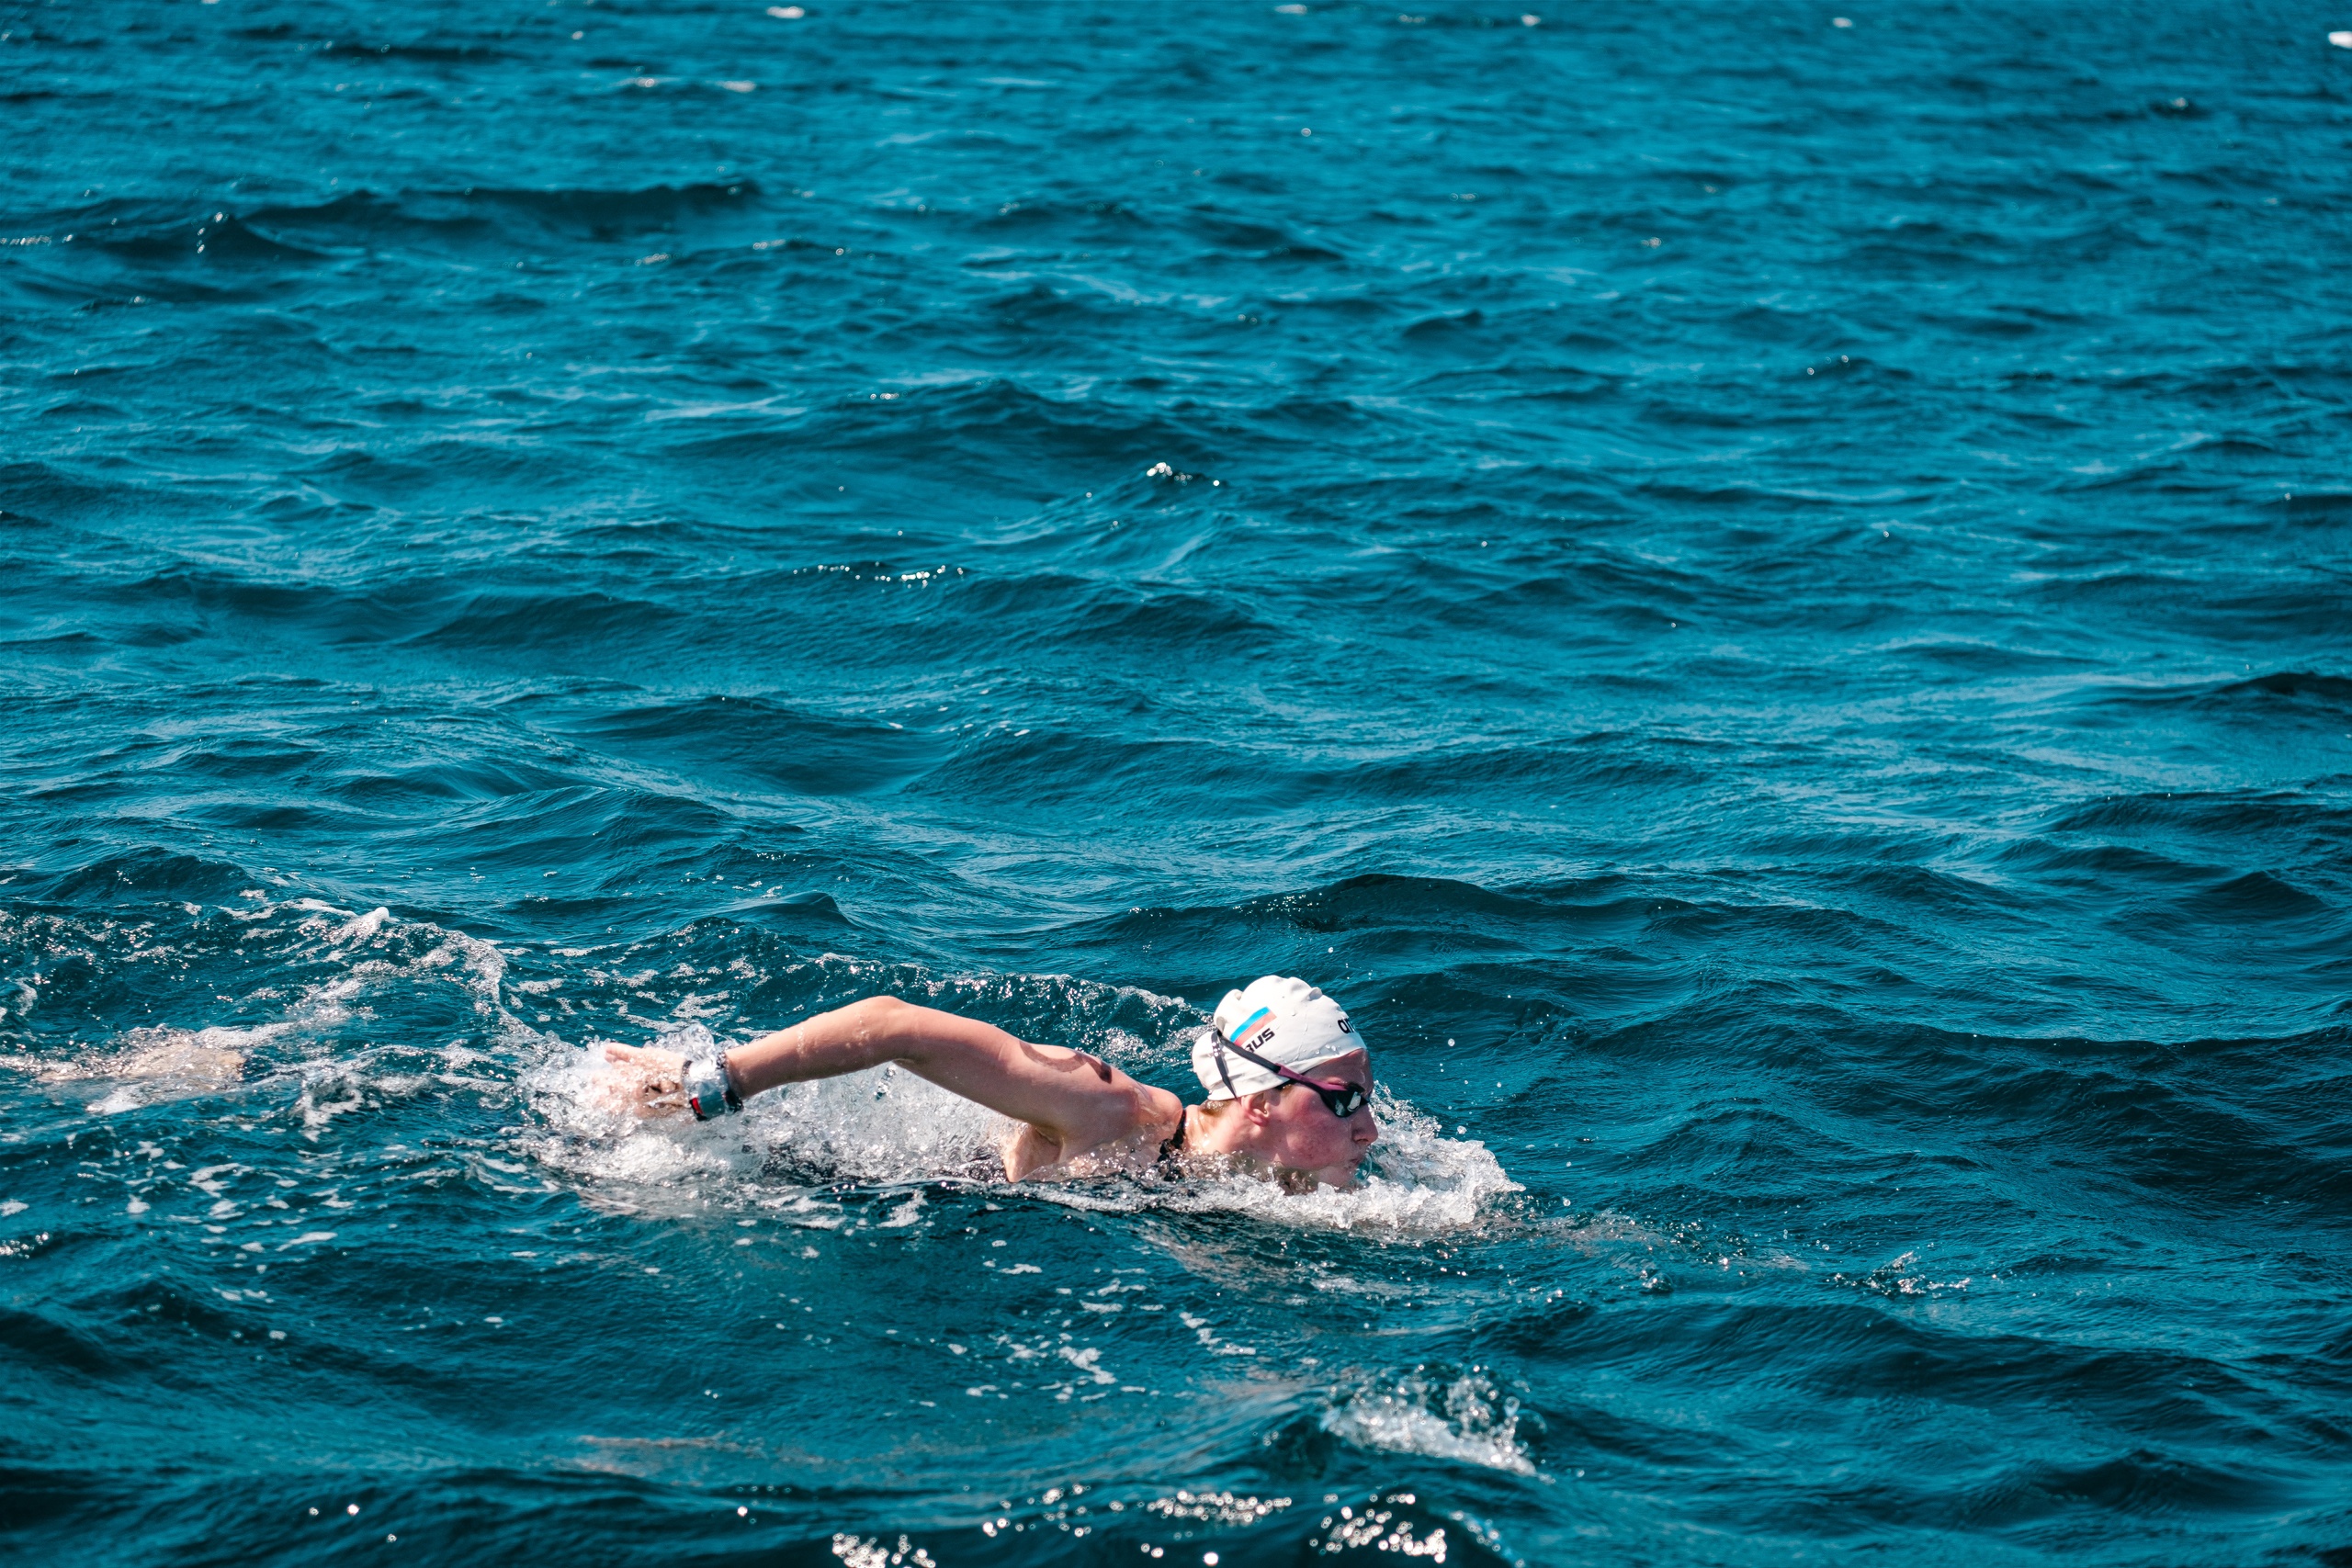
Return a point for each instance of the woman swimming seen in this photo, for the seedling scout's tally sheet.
(1073, 1114)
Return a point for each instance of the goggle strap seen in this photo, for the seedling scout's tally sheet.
(1226, 1077)
(1287, 1075)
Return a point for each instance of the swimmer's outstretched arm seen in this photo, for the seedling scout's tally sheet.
(1071, 1099)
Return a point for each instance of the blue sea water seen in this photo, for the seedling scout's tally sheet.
(1766, 596)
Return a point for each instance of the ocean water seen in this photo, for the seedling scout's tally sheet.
(1766, 596)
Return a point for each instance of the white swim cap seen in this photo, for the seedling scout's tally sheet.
(1280, 1018)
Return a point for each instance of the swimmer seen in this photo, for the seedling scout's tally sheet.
(1288, 1082)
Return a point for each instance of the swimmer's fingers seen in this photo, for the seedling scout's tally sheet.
(639, 1054)
(643, 1081)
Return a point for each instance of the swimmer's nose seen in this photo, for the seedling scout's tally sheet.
(1367, 1130)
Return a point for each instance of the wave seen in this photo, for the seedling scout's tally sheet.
(2299, 698)
(2177, 866)
(1131, 617)
(147, 875)
(2254, 816)
(759, 741)
(973, 431)
(367, 219)
(427, 52)
(509, 622)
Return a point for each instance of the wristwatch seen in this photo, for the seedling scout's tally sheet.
(708, 1090)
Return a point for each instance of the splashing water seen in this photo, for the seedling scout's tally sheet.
(1464, 1417)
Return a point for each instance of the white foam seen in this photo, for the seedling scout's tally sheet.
(887, 1125)
(882, 1127)
(1417, 1183)
(1466, 1419)
(361, 927)
(583, 1136)
(1902, 1276)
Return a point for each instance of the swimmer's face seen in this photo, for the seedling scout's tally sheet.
(1302, 1134)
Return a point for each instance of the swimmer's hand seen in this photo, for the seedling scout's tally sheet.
(643, 1081)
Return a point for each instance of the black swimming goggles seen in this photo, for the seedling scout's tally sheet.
(1342, 1098)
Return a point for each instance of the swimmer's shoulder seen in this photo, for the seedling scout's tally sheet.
(1129, 1139)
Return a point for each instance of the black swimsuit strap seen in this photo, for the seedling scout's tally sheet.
(1174, 1145)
